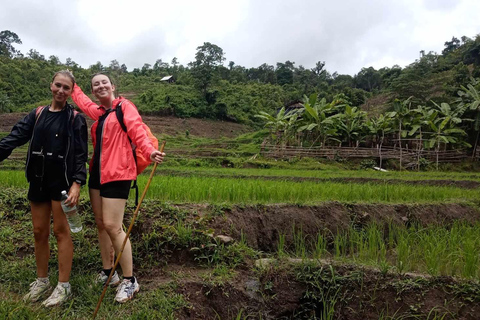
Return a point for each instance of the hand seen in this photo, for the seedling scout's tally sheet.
(157, 156)
(73, 195)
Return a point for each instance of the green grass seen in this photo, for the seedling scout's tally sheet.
(218, 190)
(328, 173)
(229, 190)
(433, 250)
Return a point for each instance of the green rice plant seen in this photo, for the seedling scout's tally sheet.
(184, 233)
(435, 250)
(336, 173)
(340, 244)
(300, 249)
(281, 246)
(196, 189)
(470, 255)
(403, 249)
(320, 246)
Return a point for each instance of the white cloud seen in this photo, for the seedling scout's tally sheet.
(346, 34)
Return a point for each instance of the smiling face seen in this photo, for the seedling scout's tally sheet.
(102, 87)
(61, 88)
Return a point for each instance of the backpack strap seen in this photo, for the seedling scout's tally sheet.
(41, 108)
(119, 114)
(38, 111)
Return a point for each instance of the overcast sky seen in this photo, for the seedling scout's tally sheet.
(346, 34)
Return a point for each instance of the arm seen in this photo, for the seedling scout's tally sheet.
(20, 134)
(81, 153)
(136, 132)
(90, 108)
(81, 149)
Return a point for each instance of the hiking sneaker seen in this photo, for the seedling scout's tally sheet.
(126, 290)
(37, 289)
(102, 279)
(59, 295)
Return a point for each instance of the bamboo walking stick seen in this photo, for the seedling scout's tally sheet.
(119, 255)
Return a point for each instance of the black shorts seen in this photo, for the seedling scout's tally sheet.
(114, 189)
(47, 190)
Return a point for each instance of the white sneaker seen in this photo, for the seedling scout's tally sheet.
(126, 290)
(102, 279)
(37, 289)
(58, 296)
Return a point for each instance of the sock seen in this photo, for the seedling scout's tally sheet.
(44, 280)
(65, 285)
(107, 271)
(132, 278)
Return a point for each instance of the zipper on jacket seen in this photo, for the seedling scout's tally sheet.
(31, 140)
(68, 147)
(100, 150)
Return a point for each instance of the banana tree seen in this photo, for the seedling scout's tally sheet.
(276, 124)
(379, 127)
(351, 124)
(402, 111)
(473, 103)
(422, 116)
(444, 127)
(316, 119)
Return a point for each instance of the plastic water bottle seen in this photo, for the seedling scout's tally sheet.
(73, 217)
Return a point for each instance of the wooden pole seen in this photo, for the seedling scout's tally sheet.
(119, 254)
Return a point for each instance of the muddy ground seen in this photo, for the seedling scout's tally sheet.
(288, 290)
(307, 291)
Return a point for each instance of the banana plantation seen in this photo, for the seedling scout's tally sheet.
(417, 132)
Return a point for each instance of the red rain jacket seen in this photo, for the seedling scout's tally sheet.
(116, 156)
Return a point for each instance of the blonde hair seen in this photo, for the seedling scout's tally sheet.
(66, 73)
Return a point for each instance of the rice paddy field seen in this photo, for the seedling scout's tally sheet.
(225, 237)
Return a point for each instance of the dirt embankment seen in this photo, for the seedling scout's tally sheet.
(350, 292)
(263, 224)
(167, 125)
(296, 291)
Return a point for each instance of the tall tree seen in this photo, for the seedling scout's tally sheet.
(284, 72)
(204, 69)
(7, 38)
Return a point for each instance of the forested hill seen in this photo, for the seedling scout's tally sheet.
(211, 87)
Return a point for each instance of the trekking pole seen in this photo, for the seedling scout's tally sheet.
(119, 255)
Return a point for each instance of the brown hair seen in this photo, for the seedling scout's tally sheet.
(109, 78)
(103, 74)
(66, 73)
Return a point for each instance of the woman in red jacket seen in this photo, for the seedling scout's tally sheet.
(112, 170)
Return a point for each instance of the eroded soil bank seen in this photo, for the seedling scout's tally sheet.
(262, 224)
(309, 289)
(346, 292)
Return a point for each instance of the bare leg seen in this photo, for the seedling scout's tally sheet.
(106, 248)
(64, 242)
(113, 210)
(41, 212)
